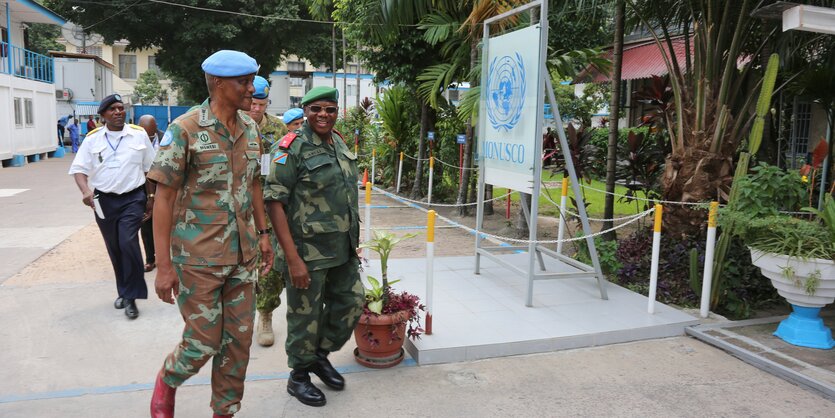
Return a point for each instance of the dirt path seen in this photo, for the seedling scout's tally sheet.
(82, 258)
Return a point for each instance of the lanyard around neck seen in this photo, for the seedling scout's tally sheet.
(106, 138)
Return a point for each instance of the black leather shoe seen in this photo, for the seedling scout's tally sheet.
(327, 374)
(299, 386)
(131, 311)
(119, 303)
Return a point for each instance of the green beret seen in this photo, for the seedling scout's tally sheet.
(321, 93)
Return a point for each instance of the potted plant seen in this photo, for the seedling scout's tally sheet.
(796, 251)
(388, 316)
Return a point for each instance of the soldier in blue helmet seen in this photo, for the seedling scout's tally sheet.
(294, 118)
(210, 249)
(270, 285)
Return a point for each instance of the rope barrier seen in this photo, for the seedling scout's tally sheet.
(445, 205)
(556, 241)
(453, 166)
(572, 213)
(667, 202)
(587, 187)
(415, 158)
(485, 235)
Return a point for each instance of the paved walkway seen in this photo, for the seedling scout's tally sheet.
(68, 353)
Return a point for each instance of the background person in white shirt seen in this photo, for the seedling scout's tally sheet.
(110, 168)
(149, 124)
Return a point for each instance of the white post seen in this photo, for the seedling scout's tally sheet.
(704, 308)
(431, 173)
(365, 253)
(373, 161)
(563, 206)
(430, 259)
(656, 250)
(399, 172)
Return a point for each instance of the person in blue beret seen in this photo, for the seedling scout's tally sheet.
(294, 118)
(270, 285)
(216, 242)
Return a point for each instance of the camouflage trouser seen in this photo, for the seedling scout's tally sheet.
(323, 315)
(269, 288)
(268, 291)
(218, 307)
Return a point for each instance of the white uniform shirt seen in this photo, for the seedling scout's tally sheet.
(115, 161)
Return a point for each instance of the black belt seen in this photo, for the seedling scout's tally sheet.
(101, 193)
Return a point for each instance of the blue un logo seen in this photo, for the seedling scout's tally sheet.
(505, 91)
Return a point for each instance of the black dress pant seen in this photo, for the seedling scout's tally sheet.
(120, 229)
(147, 232)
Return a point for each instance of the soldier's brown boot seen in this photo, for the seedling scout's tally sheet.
(266, 337)
(162, 401)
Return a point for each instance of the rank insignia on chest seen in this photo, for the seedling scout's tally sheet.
(280, 158)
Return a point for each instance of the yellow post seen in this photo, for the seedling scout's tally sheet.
(565, 187)
(658, 211)
(711, 216)
(356, 149)
(430, 226)
(368, 193)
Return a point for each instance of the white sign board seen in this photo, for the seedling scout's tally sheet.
(509, 110)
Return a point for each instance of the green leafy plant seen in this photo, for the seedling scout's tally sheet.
(606, 254)
(755, 218)
(380, 299)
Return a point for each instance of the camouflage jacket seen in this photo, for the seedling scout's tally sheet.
(317, 183)
(214, 173)
(271, 129)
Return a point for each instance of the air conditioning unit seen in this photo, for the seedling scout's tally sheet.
(65, 94)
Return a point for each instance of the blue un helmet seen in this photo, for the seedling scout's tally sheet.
(262, 87)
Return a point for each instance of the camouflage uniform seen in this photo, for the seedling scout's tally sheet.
(317, 183)
(214, 248)
(269, 288)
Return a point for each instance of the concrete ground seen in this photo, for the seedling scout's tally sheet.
(67, 353)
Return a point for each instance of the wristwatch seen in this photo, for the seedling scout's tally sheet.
(265, 231)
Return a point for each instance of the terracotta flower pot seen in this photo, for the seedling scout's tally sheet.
(380, 339)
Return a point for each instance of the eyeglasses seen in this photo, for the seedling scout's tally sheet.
(329, 110)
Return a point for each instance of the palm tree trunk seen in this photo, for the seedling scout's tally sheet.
(488, 194)
(614, 111)
(522, 228)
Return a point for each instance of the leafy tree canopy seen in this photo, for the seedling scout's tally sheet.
(394, 53)
(42, 38)
(148, 89)
(186, 36)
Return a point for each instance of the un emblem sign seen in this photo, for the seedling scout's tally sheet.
(505, 91)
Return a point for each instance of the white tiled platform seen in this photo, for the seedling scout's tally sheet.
(483, 316)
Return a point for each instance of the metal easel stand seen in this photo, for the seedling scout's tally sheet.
(535, 251)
